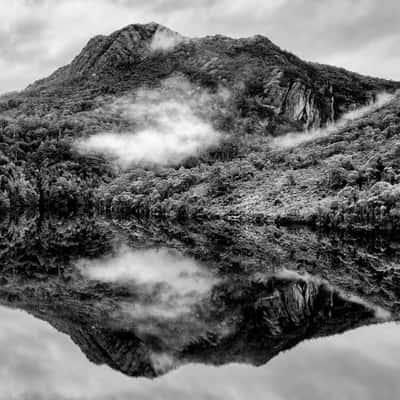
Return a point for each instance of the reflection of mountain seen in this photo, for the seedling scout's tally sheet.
(254, 323)
(365, 266)
(249, 314)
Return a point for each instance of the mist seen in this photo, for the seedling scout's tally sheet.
(165, 125)
(165, 40)
(293, 139)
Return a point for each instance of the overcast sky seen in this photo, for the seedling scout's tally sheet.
(37, 36)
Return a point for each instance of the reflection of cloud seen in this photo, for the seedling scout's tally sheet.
(37, 362)
(364, 361)
(150, 267)
(169, 284)
(171, 295)
(162, 362)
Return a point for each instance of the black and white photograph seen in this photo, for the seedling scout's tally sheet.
(200, 200)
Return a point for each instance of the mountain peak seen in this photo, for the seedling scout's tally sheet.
(280, 85)
(127, 45)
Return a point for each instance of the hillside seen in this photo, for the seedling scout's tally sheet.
(249, 91)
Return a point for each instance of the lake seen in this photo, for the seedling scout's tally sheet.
(92, 308)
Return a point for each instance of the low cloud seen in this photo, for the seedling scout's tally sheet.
(166, 125)
(165, 39)
(293, 139)
(381, 100)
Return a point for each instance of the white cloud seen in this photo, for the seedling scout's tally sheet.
(38, 36)
(168, 127)
(377, 58)
(165, 40)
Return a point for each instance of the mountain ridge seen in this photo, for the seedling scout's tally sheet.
(308, 94)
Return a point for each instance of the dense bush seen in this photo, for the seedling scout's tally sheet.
(375, 209)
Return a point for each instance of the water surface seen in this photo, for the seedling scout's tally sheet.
(38, 362)
(96, 309)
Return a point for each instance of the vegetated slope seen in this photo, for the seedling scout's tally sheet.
(349, 179)
(271, 92)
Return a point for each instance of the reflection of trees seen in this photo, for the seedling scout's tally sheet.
(250, 314)
(31, 243)
(364, 266)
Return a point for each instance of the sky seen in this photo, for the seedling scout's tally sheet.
(38, 36)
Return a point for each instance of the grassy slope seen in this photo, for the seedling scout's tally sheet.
(295, 182)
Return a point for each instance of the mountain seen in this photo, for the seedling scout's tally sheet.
(306, 93)
(256, 101)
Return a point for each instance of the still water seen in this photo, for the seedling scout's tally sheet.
(92, 309)
(38, 362)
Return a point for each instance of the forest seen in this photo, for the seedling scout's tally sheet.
(250, 93)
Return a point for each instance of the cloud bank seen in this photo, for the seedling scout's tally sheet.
(38, 36)
(167, 125)
(293, 139)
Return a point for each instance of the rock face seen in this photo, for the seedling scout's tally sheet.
(253, 68)
(298, 102)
